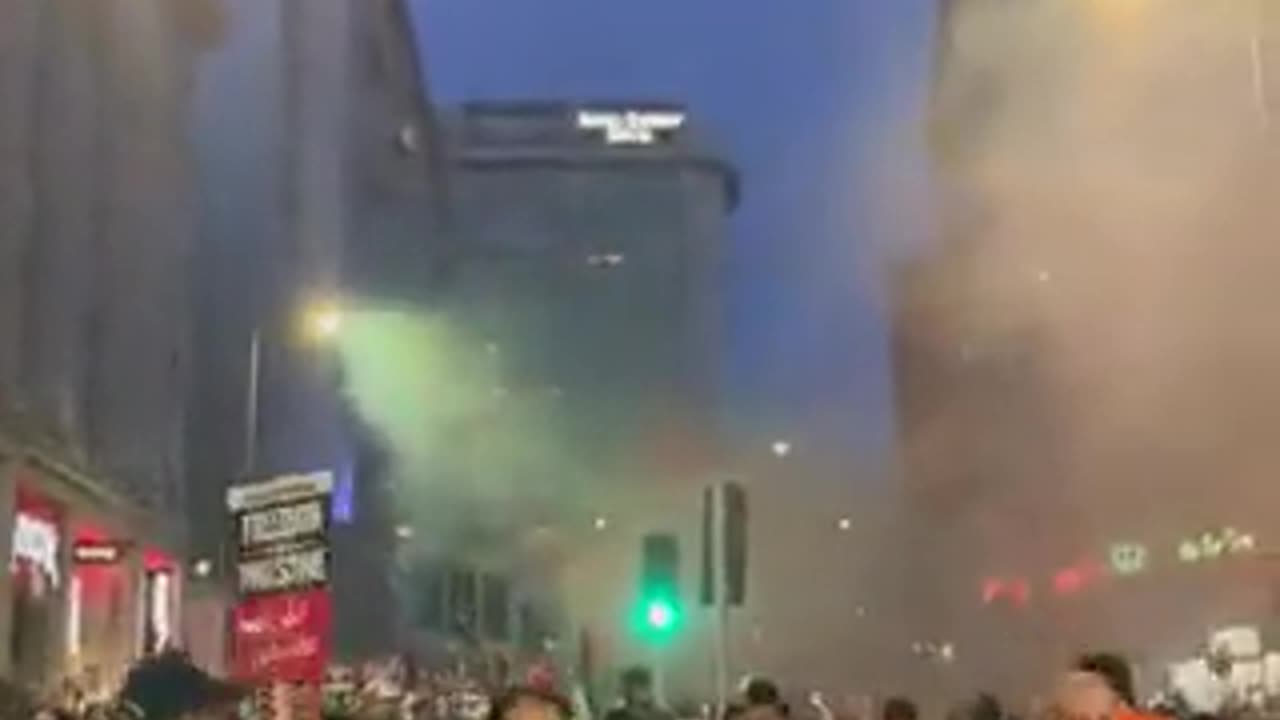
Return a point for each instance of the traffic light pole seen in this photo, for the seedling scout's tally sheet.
(659, 677)
(720, 579)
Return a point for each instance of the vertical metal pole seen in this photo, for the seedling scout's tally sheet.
(251, 404)
(659, 677)
(720, 579)
(1258, 63)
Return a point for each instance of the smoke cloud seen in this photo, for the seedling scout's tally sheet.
(1094, 311)
(473, 462)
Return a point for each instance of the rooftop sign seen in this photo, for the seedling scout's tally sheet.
(631, 127)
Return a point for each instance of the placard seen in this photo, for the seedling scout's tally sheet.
(278, 524)
(285, 571)
(283, 637)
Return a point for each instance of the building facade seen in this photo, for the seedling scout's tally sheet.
(588, 248)
(97, 229)
(584, 266)
(316, 169)
(1074, 341)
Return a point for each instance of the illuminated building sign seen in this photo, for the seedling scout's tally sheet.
(631, 127)
(1127, 558)
(1212, 545)
(96, 552)
(35, 541)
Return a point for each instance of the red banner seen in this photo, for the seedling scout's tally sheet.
(283, 637)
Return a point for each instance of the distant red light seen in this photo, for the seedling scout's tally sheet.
(992, 589)
(89, 534)
(1069, 581)
(157, 561)
(1016, 591)
(1021, 593)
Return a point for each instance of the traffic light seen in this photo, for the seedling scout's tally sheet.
(658, 611)
(730, 539)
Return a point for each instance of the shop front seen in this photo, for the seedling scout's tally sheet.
(92, 588)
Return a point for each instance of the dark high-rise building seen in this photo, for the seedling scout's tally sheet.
(1076, 341)
(587, 241)
(588, 249)
(317, 155)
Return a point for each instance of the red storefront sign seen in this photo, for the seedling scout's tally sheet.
(283, 637)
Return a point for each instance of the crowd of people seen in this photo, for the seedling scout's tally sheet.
(1098, 686)
(168, 687)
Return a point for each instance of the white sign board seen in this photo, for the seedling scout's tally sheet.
(631, 127)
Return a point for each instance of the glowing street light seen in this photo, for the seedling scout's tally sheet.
(781, 448)
(600, 523)
(323, 321)
(844, 524)
(320, 322)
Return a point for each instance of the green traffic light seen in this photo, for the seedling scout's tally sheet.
(657, 618)
(660, 615)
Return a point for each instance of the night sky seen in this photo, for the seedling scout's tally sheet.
(816, 101)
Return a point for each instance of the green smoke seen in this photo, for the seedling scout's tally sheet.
(474, 461)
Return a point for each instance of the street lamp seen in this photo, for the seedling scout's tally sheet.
(781, 448)
(320, 322)
(323, 321)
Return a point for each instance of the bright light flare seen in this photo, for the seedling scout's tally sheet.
(660, 615)
(323, 322)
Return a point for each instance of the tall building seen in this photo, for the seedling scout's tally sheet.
(1078, 339)
(588, 247)
(97, 229)
(318, 169)
(584, 265)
